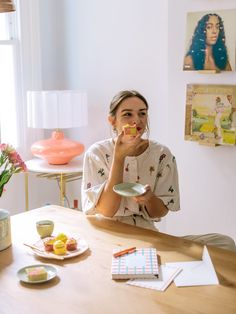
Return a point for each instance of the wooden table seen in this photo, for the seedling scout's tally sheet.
(84, 283)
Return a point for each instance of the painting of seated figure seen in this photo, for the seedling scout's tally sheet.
(211, 114)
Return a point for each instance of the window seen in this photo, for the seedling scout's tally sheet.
(9, 49)
(20, 71)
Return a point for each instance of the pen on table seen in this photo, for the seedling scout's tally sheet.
(126, 251)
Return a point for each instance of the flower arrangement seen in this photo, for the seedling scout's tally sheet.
(10, 163)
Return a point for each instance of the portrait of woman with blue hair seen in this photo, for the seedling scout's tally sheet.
(208, 49)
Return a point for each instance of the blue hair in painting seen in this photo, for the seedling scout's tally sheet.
(198, 45)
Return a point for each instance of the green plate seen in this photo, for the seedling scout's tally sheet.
(51, 271)
(129, 189)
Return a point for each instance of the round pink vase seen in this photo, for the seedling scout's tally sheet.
(57, 150)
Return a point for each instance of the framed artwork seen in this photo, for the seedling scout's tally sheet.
(210, 41)
(210, 117)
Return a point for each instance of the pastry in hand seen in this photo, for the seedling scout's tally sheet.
(62, 236)
(130, 129)
(71, 244)
(59, 247)
(48, 244)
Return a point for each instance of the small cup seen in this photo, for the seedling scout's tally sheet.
(45, 228)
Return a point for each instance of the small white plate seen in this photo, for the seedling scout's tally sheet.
(51, 271)
(129, 189)
(82, 247)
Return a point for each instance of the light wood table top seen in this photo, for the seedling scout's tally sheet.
(84, 283)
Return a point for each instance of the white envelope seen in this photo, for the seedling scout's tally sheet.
(196, 273)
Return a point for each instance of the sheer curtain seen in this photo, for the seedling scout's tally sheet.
(8, 47)
(30, 66)
(26, 70)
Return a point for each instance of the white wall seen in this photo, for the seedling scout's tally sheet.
(207, 174)
(13, 196)
(114, 45)
(40, 192)
(123, 44)
(108, 45)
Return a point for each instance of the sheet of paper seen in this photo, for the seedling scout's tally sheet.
(196, 273)
(166, 276)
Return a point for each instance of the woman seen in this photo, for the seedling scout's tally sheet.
(128, 158)
(208, 50)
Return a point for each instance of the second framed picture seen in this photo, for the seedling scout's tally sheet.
(211, 114)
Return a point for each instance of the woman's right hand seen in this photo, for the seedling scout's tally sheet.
(129, 146)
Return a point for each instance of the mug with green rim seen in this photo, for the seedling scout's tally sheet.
(45, 228)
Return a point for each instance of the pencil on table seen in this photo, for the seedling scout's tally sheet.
(126, 251)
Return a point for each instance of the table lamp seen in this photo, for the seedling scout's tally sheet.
(57, 109)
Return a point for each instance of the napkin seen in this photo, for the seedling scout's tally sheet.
(166, 276)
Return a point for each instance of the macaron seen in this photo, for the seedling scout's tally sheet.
(59, 247)
(48, 244)
(62, 236)
(71, 244)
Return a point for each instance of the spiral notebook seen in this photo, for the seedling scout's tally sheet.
(142, 263)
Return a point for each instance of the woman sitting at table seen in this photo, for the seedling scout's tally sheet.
(131, 158)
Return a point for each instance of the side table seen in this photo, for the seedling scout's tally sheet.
(62, 173)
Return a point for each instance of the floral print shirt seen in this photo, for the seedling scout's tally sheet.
(156, 166)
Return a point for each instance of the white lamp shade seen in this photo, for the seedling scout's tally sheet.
(58, 109)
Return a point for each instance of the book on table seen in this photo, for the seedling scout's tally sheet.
(142, 263)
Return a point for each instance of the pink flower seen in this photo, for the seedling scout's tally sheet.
(3, 147)
(10, 163)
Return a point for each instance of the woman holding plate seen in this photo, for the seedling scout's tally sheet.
(130, 158)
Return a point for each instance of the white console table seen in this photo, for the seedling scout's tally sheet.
(62, 173)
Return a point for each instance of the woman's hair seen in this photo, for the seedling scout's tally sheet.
(121, 96)
(198, 45)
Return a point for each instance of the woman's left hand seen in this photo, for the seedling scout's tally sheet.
(145, 197)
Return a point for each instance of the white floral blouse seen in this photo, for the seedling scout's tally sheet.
(156, 166)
